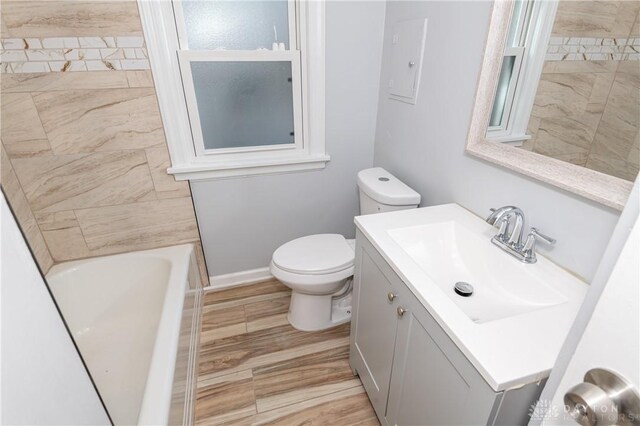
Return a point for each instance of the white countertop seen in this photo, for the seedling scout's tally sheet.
(508, 352)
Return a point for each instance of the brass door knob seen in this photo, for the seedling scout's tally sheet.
(391, 296)
(401, 311)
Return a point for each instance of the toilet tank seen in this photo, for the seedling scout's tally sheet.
(380, 191)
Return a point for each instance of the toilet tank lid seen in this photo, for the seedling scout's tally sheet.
(385, 188)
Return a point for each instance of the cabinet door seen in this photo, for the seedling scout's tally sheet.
(373, 327)
(432, 382)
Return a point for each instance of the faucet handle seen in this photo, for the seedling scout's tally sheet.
(529, 248)
(535, 233)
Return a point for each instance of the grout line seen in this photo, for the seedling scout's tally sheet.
(81, 232)
(46, 134)
(595, 133)
(128, 204)
(153, 182)
(117, 252)
(53, 262)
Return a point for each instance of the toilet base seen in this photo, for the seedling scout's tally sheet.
(314, 312)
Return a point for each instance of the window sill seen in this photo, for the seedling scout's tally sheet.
(226, 169)
(513, 140)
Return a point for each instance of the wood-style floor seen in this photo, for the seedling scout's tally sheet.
(256, 369)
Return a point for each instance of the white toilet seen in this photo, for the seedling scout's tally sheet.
(319, 268)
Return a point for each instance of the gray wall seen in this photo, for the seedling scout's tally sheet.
(243, 220)
(424, 144)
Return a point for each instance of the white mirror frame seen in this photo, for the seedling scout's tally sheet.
(602, 188)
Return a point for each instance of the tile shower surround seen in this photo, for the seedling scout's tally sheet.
(84, 156)
(91, 170)
(31, 55)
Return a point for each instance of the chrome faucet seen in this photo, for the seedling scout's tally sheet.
(511, 240)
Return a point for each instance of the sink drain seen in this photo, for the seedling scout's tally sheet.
(464, 289)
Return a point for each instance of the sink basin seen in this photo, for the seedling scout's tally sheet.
(447, 252)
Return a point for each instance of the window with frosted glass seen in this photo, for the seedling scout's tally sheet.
(236, 25)
(240, 92)
(244, 103)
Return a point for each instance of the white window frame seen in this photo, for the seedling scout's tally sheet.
(166, 43)
(185, 57)
(528, 68)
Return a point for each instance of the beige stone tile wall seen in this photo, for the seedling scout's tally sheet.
(592, 18)
(588, 112)
(84, 153)
(31, 18)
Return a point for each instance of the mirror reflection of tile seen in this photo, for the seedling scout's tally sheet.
(587, 107)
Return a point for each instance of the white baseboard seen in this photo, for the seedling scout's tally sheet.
(238, 278)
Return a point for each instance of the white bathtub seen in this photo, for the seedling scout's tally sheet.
(136, 318)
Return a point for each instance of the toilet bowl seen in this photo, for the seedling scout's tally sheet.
(319, 268)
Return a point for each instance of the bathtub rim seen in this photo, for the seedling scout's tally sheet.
(158, 389)
(160, 380)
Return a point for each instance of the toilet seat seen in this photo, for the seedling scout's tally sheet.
(311, 284)
(321, 254)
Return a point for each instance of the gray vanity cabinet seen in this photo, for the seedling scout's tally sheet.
(412, 371)
(433, 383)
(373, 336)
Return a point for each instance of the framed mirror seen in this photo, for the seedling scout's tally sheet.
(558, 96)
